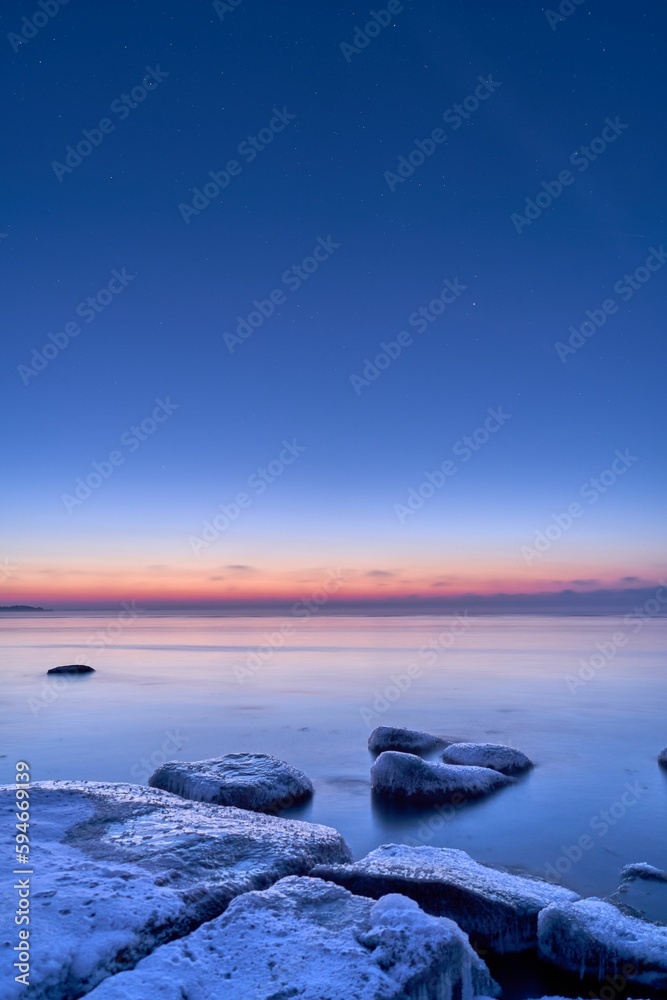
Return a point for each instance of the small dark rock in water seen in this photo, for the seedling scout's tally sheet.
(72, 668)
(662, 757)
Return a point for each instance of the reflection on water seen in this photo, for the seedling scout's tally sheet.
(216, 685)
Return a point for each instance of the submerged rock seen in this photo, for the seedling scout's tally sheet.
(662, 757)
(406, 740)
(311, 940)
(72, 668)
(498, 910)
(247, 780)
(593, 937)
(120, 869)
(406, 777)
(507, 760)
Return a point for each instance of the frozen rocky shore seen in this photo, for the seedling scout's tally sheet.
(170, 891)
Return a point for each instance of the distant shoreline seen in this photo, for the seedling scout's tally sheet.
(21, 607)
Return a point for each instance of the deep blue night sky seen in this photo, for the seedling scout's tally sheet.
(217, 78)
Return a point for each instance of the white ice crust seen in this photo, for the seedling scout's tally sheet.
(593, 936)
(501, 758)
(311, 940)
(247, 780)
(119, 869)
(497, 909)
(404, 740)
(406, 776)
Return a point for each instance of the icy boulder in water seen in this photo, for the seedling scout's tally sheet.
(247, 780)
(507, 760)
(406, 777)
(642, 869)
(120, 869)
(405, 740)
(643, 892)
(311, 940)
(594, 937)
(498, 910)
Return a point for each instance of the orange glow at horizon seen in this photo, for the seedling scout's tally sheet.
(190, 585)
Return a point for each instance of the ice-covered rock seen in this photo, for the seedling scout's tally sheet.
(246, 780)
(662, 757)
(497, 909)
(406, 777)
(592, 936)
(72, 668)
(643, 892)
(642, 869)
(120, 869)
(405, 740)
(507, 760)
(311, 940)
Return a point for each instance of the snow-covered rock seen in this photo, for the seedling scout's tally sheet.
(592, 936)
(246, 780)
(642, 869)
(643, 892)
(497, 909)
(311, 940)
(120, 869)
(406, 776)
(662, 757)
(507, 760)
(405, 740)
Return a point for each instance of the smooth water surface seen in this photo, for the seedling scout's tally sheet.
(191, 687)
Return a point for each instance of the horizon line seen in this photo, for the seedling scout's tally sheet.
(558, 602)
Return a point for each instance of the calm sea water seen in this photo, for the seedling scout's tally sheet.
(192, 687)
